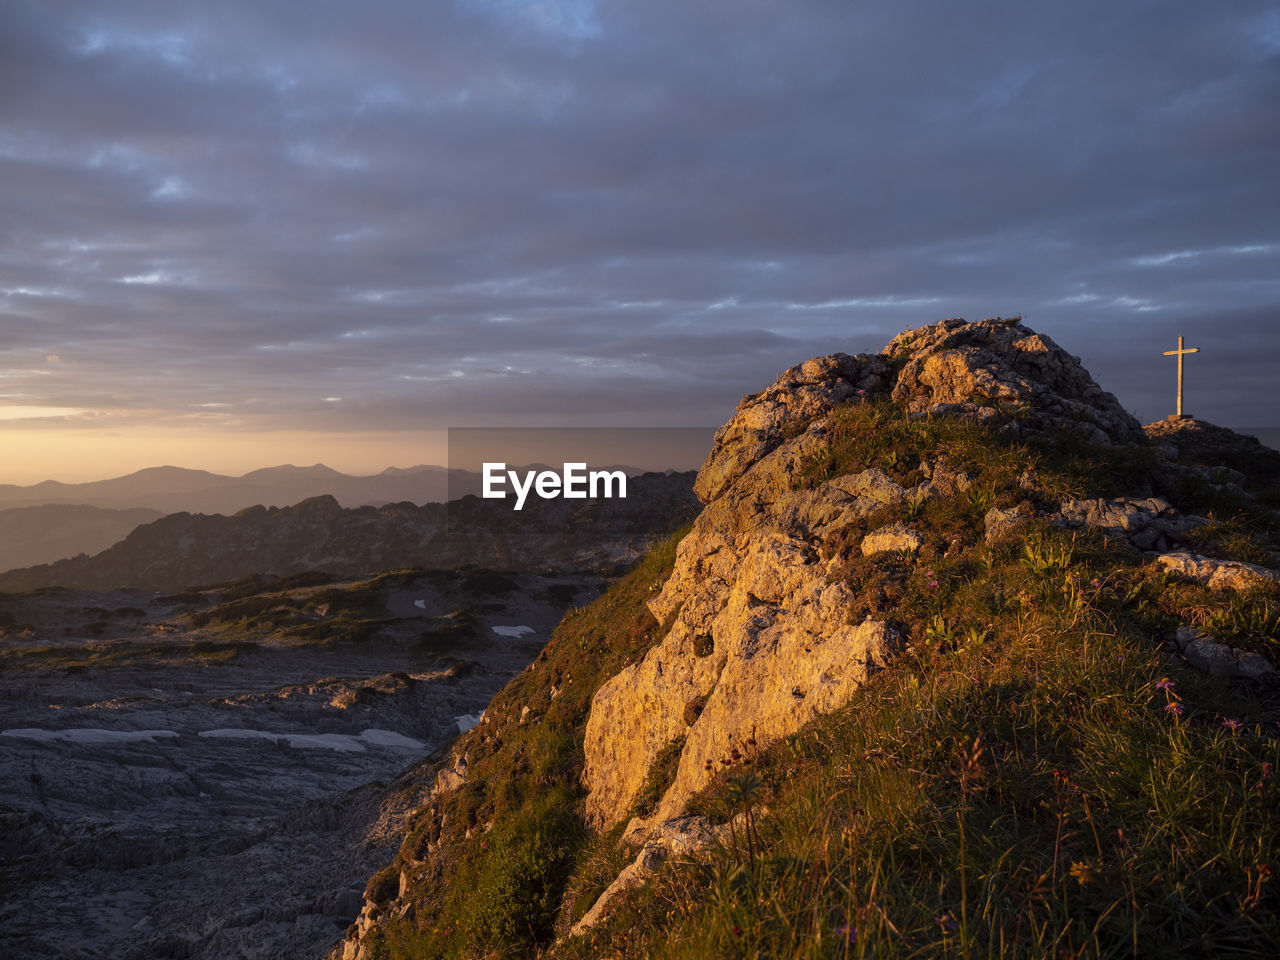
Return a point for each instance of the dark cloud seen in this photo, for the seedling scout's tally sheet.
(564, 210)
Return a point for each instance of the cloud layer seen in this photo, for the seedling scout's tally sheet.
(396, 215)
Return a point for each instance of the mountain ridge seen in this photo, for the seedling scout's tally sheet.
(948, 616)
(173, 489)
(183, 549)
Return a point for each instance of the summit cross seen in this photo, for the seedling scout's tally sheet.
(1180, 353)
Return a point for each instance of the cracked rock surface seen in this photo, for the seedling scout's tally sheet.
(156, 804)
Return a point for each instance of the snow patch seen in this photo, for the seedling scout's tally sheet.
(468, 720)
(396, 741)
(420, 604)
(88, 735)
(344, 742)
(519, 631)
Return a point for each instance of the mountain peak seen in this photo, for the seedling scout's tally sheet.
(289, 471)
(991, 371)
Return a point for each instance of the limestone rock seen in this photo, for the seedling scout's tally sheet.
(448, 780)
(890, 539)
(873, 484)
(999, 523)
(757, 631)
(682, 836)
(1219, 574)
(973, 368)
(1147, 524)
(1212, 655)
(800, 395)
(1224, 455)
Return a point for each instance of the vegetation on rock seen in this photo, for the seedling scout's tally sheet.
(1036, 771)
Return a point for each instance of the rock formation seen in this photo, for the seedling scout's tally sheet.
(760, 624)
(184, 550)
(760, 639)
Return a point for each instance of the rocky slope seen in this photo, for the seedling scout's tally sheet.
(205, 776)
(45, 534)
(184, 549)
(909, 565)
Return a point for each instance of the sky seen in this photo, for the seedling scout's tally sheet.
(236, 234)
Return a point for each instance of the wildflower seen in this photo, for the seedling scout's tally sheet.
(1266, 771)
(1232, 725)
(1164, 683)
(847, 933)
(1176, 709)
(1082, 871)
(947, 922)
(737, 931)
(1095, 582)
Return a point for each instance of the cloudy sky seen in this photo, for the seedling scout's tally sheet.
(241, 233)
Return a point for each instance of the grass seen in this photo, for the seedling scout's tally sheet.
(1031, 797)
(493, 860)
(1031, 777)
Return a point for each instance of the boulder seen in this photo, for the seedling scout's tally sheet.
(977, 368)
(681, 836)
(1219, 574)
(1213, 656)
(893, 538)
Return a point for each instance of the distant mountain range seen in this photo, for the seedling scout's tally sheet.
(51, 521)
(31, 535)
(182, 549)
(175, 489)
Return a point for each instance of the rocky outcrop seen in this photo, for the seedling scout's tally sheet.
(896, 537)
(759, 640)
(1213, 656)
(765, 419)
(1148, 523)
(977, 368)
(1223, 455)
(681, 836)
(764, 652)
(1219, 574)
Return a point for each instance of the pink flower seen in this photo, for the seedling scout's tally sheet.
(1232, 725)
(1176, 709)
(1164, 683)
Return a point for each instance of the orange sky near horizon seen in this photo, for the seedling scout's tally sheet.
(30, 454)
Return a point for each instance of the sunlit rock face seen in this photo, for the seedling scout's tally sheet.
(760, 640)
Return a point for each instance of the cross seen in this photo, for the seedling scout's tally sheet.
(1179, 353)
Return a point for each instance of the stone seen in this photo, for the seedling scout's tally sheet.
(1143, 522)
(764, 420)
(999, 523)
(1216, 455)
(1219, 574)
(891, 539)
(975, 368)
(1213, 656)
(783, 651)
(680, 836)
